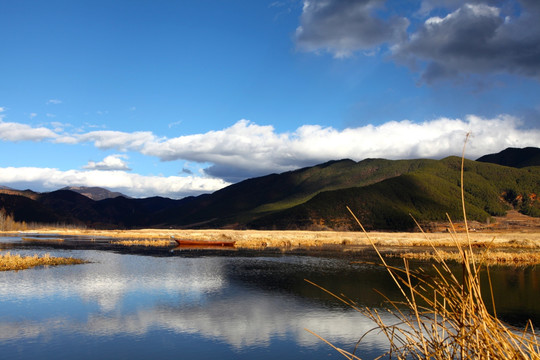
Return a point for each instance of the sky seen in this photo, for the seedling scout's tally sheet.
(179, 98)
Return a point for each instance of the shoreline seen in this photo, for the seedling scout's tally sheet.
(253, 239)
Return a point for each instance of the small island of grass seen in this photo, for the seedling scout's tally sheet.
(148, 242)
(10, 261)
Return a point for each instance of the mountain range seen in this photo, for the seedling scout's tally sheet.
(94, 193)
(382, 193)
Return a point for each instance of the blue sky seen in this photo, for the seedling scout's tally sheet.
(177, 98)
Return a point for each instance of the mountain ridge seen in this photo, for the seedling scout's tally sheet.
(382, 192)
(514, 157)
(94, 192)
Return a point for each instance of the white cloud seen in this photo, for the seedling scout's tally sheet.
(54, 102)
(47, 179)
(10, 131)
(58, 127)
(176, 123)
(111, 162)
(122, 141)
(247, 149)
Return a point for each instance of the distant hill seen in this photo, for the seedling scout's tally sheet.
(427, 194)
(381, 192)
(238, 204)
(514, 157)
(26, 193)
(94, 193)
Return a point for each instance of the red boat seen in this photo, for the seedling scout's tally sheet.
(204, 243)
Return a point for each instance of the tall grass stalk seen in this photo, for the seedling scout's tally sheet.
(443, 316)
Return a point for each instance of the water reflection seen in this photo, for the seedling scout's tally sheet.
(112, 278)
(237, 307)
(137, 296)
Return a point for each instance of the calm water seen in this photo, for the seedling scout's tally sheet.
(202, 305)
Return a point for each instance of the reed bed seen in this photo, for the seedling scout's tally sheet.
(287, 239)
(511, 258)
(146, 242)
(443, 316)
(10, 261)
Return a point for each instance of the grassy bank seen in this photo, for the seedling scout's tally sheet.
(10, 261)
(516, 258)
(284, 239)
(154, 242)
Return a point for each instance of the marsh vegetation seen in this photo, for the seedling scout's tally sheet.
(513, 258)
(10, 261)
(145, 242)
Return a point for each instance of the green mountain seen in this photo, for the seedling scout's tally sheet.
(242, 203)
(514, 157)
(428, 194)
(381, 192)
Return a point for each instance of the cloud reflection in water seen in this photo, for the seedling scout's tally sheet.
(125, 295)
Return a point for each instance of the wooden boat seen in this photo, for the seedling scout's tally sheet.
(211, 243)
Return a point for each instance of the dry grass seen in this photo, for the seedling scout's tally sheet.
(146, 242)
(287, 239)
(444, 316)
(512, 258)
(10, 261)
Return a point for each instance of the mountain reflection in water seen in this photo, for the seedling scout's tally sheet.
(131, 306)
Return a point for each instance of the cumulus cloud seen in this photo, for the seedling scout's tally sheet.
(471, 37)
(47, 179)
(427, 6)
(10, 131)
(246, 149)
(476, 38)
(122, 141)
(344, 26)
(54, 102)
(111, 162)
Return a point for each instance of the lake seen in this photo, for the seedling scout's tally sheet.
(205, 304)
